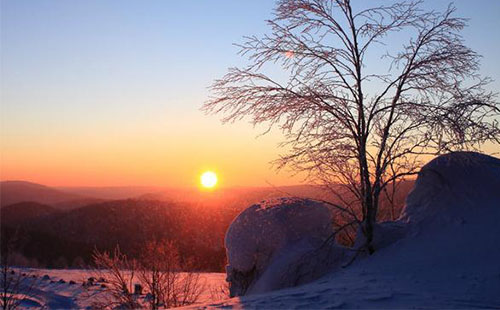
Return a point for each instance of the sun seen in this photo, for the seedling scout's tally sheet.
(208, 179)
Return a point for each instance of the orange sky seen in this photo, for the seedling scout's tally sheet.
(162, 152)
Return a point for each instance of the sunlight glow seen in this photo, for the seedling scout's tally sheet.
(208, 179)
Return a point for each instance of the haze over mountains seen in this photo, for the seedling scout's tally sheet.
(111, 192)
(18, 191)
(66, 197)
(12, 192)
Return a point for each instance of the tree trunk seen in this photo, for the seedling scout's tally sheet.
(368, 202)
(367, 228)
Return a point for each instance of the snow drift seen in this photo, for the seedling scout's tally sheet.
(446, 253)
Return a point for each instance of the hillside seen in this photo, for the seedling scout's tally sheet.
(12, 192)
(24, 213)
(198, 232)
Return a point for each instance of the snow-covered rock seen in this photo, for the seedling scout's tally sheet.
(279, 243)
(452, 188)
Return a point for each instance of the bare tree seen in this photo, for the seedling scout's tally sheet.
(161, 273)
(348, 122)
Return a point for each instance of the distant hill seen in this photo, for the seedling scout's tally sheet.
(111, 192)
(23, 213)
(12, 192)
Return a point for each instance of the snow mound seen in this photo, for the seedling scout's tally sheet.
(269, 243)
(453, 187)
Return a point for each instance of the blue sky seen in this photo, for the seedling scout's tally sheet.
(72, 50)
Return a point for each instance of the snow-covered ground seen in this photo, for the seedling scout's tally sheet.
(56, 291)
(447, 257)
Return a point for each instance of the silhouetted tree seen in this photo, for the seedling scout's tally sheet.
(349, 122)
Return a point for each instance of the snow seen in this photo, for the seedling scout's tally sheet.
(269, 242)
(454, 187)
(54, 294)
(443, 253)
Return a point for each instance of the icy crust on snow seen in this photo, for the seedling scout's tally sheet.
(268, 243)
(452, 187)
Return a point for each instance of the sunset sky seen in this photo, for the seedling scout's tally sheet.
(109, 92)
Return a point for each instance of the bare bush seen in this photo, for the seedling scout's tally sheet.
(10, 288)
(162, 274)
(118, 274)
(158, 279)
(189, 289)
(219, 292)
(15, 285)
